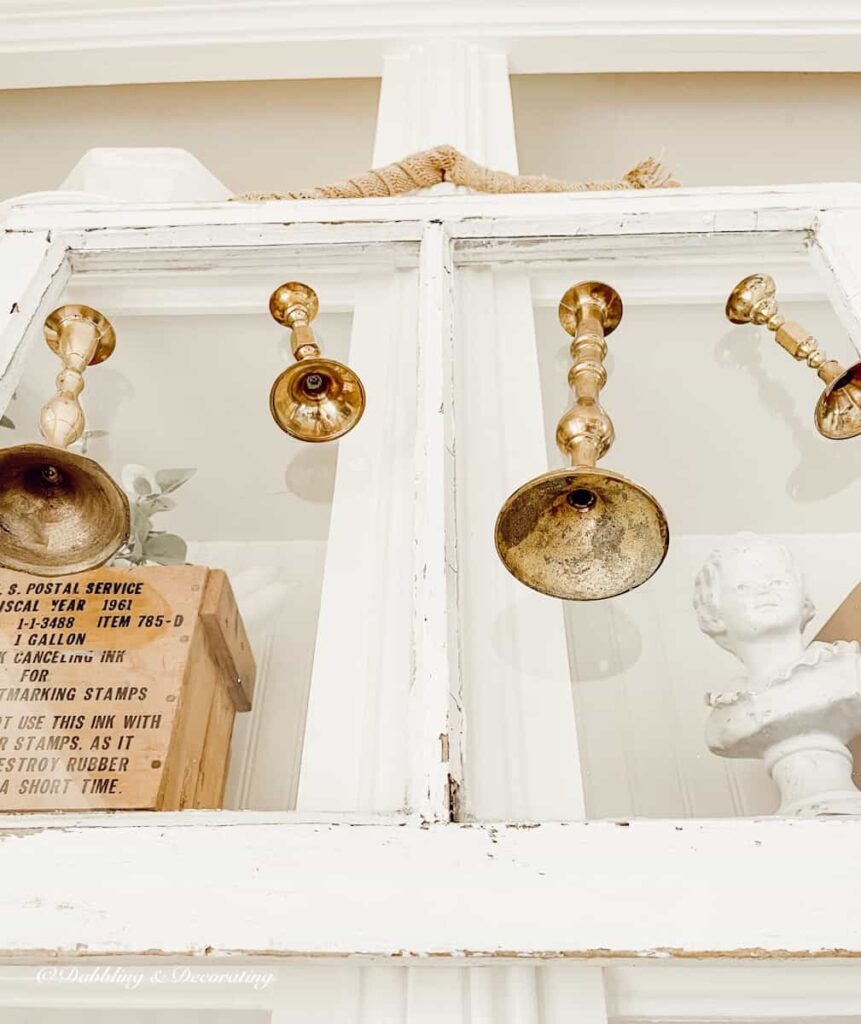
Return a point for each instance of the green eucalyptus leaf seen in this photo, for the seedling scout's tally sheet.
(165, 549)
(156, 503)
(139, 481)
(139, 515)
(169, 479)
(148, 497)
(141, 528)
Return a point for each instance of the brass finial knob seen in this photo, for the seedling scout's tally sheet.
(588, 312)
(838, 411)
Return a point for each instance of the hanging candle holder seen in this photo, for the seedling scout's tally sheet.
(316, 399)
(838, 412)
(583, 533)
(61, 512)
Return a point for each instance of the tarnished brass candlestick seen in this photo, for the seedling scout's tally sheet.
(60, 512)
(838, 411)
(316, 399)
(583, 533)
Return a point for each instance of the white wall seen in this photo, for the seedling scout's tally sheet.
(254, 136)
(724, 129)
(260, 136)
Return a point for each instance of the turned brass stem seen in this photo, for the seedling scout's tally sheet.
(754, 300)
(838, 411)
(81, 337)
(588, 312)
(295, 305)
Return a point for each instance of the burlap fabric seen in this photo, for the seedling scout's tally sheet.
(445, 163)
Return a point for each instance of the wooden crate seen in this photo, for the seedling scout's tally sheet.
(118, 688)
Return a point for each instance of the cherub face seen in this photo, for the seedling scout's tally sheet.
(759, 594)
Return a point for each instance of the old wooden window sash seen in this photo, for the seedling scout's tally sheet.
(363, 877)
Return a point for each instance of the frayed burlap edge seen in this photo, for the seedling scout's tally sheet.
(445, 163)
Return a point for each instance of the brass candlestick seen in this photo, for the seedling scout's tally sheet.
(838, 411)
(583, 533)
(60, 512)
(316, 399)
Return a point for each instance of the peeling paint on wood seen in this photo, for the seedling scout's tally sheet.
(718, 890)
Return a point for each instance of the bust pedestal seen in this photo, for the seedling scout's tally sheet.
(799, 726)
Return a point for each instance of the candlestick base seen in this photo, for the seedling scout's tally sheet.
(582, 534)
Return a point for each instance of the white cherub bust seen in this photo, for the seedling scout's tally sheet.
(802, 703)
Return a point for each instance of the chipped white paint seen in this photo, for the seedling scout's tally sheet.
(33, 270)
(768, 208)
(648, 889)
(435, 719)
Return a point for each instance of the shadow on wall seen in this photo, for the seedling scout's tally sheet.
(823, 468)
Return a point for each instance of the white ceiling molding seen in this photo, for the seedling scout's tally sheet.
(96, 42)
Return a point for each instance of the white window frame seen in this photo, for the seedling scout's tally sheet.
(573, 915)
(298, 885)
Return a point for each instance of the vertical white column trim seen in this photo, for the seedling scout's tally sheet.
(447, 91)
(434, 720)
(355, 754)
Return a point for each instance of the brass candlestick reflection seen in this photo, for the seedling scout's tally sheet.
(838, 411)
(583, 533)
(316, 399)
(60, 512)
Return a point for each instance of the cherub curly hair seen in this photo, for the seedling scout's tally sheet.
(707, 583)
